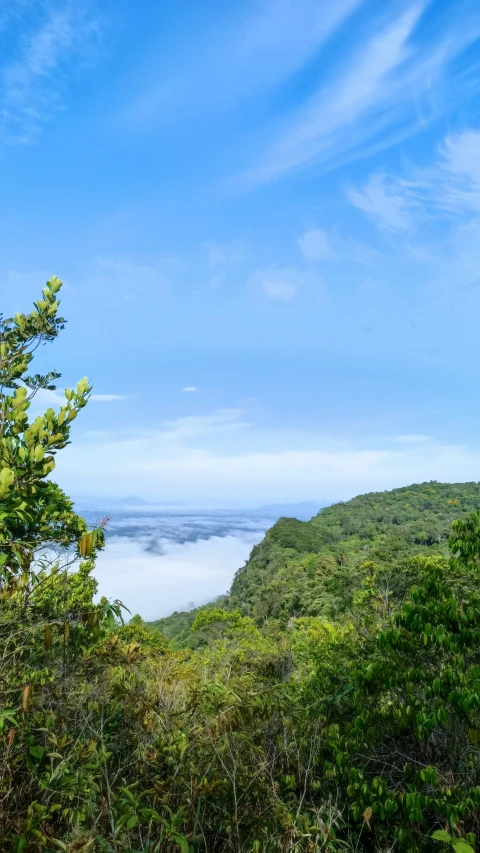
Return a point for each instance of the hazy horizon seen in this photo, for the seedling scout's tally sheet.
(267, 217)
(88, 502)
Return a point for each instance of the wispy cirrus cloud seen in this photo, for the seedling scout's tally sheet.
(438, 205)
(381, 92)
(450, 186)
(316, 127)
(278, 37)
(33, 79)
(243, 55)
(384, 203)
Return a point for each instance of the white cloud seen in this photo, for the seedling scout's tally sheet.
(155, 585)
(384, 203)
(450, 190)
(244, 54)
(413, 439)
(32, 85)
(283, 283)
(189, 388)
(107, 398)
(44, 399)
(445, 197)
(315, 245)
(278, 287)
(223, 421)
(226, 254)
(378, 96)
(461, 155)
(453, 184)
(220, 458)
(362, 88)
(281, 35)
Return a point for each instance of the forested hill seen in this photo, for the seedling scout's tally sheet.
(315, 567)
(329, 704)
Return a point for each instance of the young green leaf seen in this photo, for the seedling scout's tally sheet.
(441, 835)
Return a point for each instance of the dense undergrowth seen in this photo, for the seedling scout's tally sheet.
(331, 703)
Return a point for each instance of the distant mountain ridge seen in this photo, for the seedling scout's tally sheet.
(303, 510)
(316, 567)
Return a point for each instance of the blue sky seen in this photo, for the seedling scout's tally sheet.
(275, 203)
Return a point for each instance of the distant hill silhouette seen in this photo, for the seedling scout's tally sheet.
(303, 511)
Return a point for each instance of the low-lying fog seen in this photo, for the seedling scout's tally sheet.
(157, 562)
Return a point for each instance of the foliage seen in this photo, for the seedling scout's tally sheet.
(47, 614)
(178, 626)
(315, 567)
(330, 703)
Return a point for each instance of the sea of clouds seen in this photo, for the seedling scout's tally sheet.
(159, 561)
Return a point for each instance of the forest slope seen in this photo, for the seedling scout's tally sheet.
(314, 568)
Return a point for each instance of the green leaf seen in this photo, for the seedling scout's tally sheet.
(441, 835)
(7, 716)
(182, 843)
(60, 844)
(39, 453)
(461, 846)
(36, 751)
